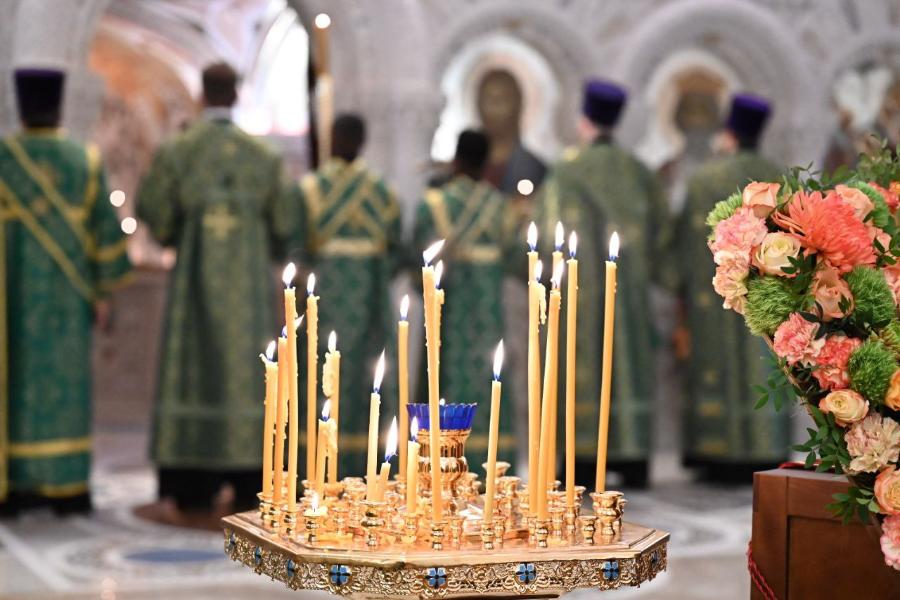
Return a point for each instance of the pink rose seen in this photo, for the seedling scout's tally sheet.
(730, 282)
(795, 340)
(847, 406)
(737, 235)
(861, 204)
(887, 491)
(831, 361)
(891, 197)
(828, 289)
(892, 275)
(890, 541)
(762, 198)
(892, 397)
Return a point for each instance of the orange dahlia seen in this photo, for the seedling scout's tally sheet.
(828, 225)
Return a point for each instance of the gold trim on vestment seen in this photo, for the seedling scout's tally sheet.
(48, 243)
(347, 177)
(329, 228)
(107, 286)
(309, 185)
(483, 220)
(356, 247)
(49, 448)
(63, 490)
(93, 177)
(111, 252)
(479, 253)
(49, 191)
(434, 198)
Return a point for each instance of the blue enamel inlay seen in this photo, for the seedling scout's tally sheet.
(291, 568)
(340, 574)
(526, 572)
(436, 577)
(453, 416)
(610, 569)
(257, 555)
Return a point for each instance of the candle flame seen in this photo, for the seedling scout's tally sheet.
(332, 341)
(438, 273)
(326, 410)
(404, 307)
(379, 373)
(314, 502)
(432, 251)
(287, 276)
(390, 446)
(538, 270)
(311, 284)
(614, 246)
(414, 429)
(323, 21)
(442, 401)
(557, 274)
(298, 321)
(498, 360)
(270, 350)
(532, 236)
(560, 235)
(573, 244)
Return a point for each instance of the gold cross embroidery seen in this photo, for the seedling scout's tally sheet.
(220, 221)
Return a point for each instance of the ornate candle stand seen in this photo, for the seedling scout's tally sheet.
(376, 549)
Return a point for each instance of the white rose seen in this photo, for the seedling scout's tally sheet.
(774, 253)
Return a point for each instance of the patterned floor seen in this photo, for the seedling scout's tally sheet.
(114, 555)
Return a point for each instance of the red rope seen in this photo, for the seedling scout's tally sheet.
(757, 577)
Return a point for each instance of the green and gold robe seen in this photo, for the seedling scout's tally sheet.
(62, 250)
(725, 360)
(351, 240)
(216, 195)
(471, 217)
(596, 191)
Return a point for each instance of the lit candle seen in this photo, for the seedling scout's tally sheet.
(390, 451)
(558, 240)
(536, 299)
(493, 434)
(412, 468)
(280, 420)
(322, 446)
(270, 409)
(571, 334)
(434, 415)
(403, 378)
(331, 387)
(374, 407)
(312, 362)
(438, 304)
(290, 318)
(609, 320)
(550, 392)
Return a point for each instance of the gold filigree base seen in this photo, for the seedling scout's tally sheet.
(348, 567)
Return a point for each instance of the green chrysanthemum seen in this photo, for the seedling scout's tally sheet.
(769, 304)
(724, 209)
(890, 337)
(872, 296)
(870, 368)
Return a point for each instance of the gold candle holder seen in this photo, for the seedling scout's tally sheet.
(455, 525)
(541, 532)
(274, 518)
(338, 513)
(437, 535)
(312, 521)
(621, 501)
(499, 530)
(372, 522)
(571, 519)
(355, 492)
(410, 528)
(265, 502)
(289, 521)
(588, 528)
(607, 512)
(487, 537)
(556, 521)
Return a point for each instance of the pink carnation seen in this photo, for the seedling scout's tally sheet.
(730, 282)
(890, 541)
(873, 443)
(795, 340)
(737, 235)
(828, 225)
(892, 275)
(831, 361)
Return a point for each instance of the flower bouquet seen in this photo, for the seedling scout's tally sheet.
(813, 265)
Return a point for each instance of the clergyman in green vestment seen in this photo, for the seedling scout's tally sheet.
(350, 238)
(216, 195)
(722, 360)
(470, 216)
(63, 252)
(598, 190)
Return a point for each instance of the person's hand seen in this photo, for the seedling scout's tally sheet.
(681, 342)
(103, 315)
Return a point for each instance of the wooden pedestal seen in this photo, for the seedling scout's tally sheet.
(803, 551)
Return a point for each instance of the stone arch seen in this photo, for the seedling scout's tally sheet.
(565, 48)
(764, 54)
